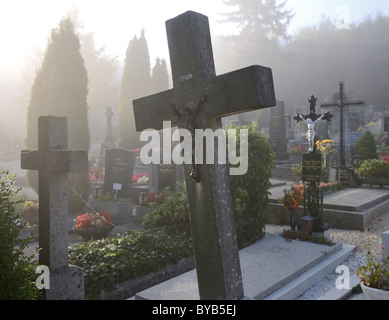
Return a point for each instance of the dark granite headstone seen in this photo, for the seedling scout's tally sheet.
(277, 131)
(119, 167)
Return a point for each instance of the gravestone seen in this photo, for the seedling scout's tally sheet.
(199, 100)
(119, 167)
(54, 161)
(386, 124)
(277, 131)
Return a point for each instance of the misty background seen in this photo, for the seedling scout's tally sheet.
(310, 46)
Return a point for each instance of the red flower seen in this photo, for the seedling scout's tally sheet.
(93, 220)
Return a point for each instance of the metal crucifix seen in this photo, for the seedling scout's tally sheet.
(311, 119)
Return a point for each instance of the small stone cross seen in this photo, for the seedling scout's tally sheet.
(54, 161)
(205, 98)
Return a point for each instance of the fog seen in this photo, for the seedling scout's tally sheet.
(306, 58)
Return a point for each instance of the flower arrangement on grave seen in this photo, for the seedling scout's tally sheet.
(293, 197)
(297, 150)
(386, 159)
(96, 174)
(325, 147)
(140, 178)
(93, 220)
(333, 186)
(153, 200)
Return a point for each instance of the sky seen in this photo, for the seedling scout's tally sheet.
(26, 24)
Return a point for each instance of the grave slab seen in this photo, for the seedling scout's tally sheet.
(349, 209)
(266, 266)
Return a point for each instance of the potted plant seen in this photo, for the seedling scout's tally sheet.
(374, 276)
(94, 225)
(291, 200)
(375, 172)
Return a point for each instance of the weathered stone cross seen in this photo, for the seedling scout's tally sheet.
(53, 161)
(205, 97)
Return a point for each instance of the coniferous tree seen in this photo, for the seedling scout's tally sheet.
(136, 83)
(159, 77)
(60, 89)
(262, 27)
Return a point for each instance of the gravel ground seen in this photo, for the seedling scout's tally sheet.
(369, 238)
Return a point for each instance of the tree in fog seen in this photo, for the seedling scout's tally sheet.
(159, 77)
(60, 88)
(262, 26)
(136, 83)
(321, 56)
(103, 82)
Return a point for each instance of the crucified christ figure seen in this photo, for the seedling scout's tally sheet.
(187, 118)
(311, 130)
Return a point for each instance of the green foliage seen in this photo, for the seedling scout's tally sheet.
(60, 89)
(172, 212)
(374, 274)
(373, 168)
(250, 192)
(123, 257)
(304, 236)
(366, 147)
(17, 272)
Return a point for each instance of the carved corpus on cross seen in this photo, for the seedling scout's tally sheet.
(54, 161)
(311, 119)
(199, 100)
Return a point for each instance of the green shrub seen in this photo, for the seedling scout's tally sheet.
(366, 147)
(172, 212)
(17, 272)
(373, 168)
(123, 257)
(250, 192)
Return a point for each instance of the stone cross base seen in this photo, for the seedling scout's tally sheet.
(66, 283)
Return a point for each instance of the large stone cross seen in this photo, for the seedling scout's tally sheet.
(342, 104)
(54, 161)
(206, 98)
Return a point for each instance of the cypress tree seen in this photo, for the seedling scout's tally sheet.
(159, 77)
(60, 89)
(136, 83)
